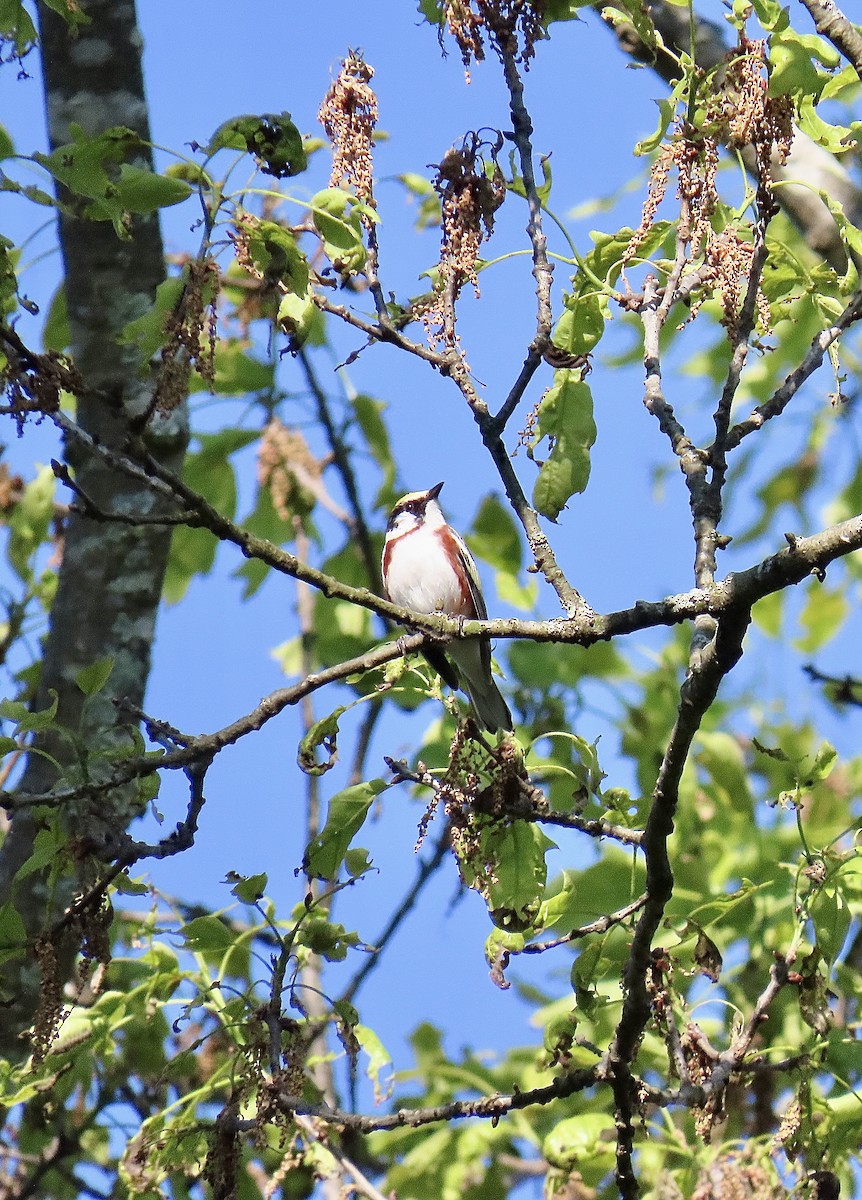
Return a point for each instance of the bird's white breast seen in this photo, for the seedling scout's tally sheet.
(420, 575)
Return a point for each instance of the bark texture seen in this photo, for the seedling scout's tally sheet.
(111, 576)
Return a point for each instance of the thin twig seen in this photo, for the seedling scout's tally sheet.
(600, 925)
(711, 497)
(778, 401)
(361, 1183)
(341, 459)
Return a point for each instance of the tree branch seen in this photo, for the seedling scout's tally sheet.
(830, 21)
(697, 695)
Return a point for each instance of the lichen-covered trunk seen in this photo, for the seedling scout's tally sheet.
(111, 575)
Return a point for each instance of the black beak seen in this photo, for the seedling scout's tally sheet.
(434, 492)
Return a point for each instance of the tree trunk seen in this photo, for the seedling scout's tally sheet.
(111, 576)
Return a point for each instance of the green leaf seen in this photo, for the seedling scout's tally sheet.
(585, 965)
(250, 888)
(272, 138)
(345, 817)
(89, 167)
(357, 862)
(369, 416)
(323, 733)
(276, 255)
(515, 885)
(584, 1143)
(147, 332)
(13, 934)
(30, 522)
(565, 416)
(55, 331)
(93, 678)
(47, 850)
(26, 721)
(298, 316)
(71, 13)
(209, 472)
(824, 613)
(494, 537)
(126, 886)
(432, 11)
(237, 373)
(824, 761)
(208, 936)
(832, 917)
(143, 191)
(379, 1060)
(337, 216)
(17, 26)
(582, 324)
(667, 112)
(7, 146)
(768, 614)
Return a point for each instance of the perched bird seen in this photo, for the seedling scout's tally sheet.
(427, 567)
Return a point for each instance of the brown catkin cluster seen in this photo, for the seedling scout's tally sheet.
(34, 382)
(349, 116)
(52, 1011)
(470, 197)
(221, 1168)
(730, 261)
(695, 157)
(751, 116)
(742, 114)
(287, 469)
(470, 21)
(190, 336)
(11, 490)
(94, 928)
(735, 1176)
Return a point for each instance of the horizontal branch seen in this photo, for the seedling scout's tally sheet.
(583, 627)
(489, 1107)
(735, 594)
(209, 744)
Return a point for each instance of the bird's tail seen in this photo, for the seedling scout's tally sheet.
(473, 660)
(491, 709)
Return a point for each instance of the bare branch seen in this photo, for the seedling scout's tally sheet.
(488, 1107)
(600, 925)
(341, 458)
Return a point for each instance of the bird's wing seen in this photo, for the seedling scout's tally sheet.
(469, 565)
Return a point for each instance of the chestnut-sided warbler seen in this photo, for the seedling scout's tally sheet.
(427, 567)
